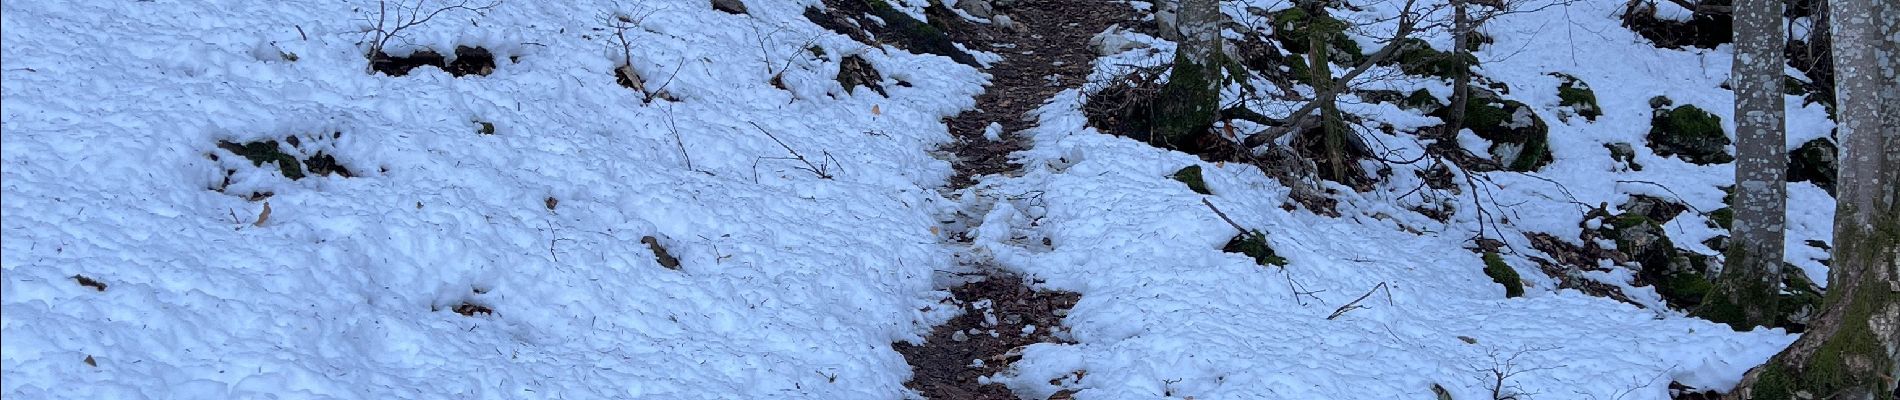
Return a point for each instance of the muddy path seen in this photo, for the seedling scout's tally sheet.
(1046, 53)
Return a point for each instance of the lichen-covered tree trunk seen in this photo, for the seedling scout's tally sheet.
(1750, 284)
(1191, 100)
(1849, 351)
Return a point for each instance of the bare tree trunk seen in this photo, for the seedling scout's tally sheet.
(1849, 352)
(1750, 285)
(1191, 100)
(1461, 79)
(1319, 57)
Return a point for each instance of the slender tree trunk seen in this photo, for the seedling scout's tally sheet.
(1191, 100)
(1461, 79)
(1750, 285)
(1319, 57)
(1849, 352)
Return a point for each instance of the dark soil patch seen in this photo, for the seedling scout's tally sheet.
(467, 61)
(89, 282)
(1053, 55)
(853, 18)
(1056, 46)
(1703, 30)
(945, 365)
(470, 309)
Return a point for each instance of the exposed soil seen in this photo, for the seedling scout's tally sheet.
(1001, 313)
(1054, 54)
(949, 364)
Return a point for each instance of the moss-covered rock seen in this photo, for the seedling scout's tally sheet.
(1422, 101)
(912, 34)
(265, 151)
(1254, 244)
(855, 71)
(1519, 138)
(1502, 273)
(1191, 175)
(1576, 95)
(1294, 29)
(290, 165)
(1690, 133)
(1416, 57)
(1624, 154)
(1680, 277)
(1814, 162)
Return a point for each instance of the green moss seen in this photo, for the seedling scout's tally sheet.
(1690, 133)
(1723, 217)
(1853, 356)
(1254, 244)
(1577, 95)
(1416, 57)
(1295, 28)
(485, 128)
(1502, 273)
(916, 35)
(266, 151)
(1188, 104)
(1191, 175)
(1686, 288)
(1627, 220)
(1742, 299)
(1495, 120)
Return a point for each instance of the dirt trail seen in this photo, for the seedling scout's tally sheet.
(1000, 312)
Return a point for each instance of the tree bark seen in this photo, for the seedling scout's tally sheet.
(1191, 100)
(1319, 56)
(1746, 293)
(1849, 352)
(1461, 79)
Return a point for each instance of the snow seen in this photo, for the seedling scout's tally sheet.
(792, 286)
(1164, 312)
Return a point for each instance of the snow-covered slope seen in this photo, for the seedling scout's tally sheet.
(790, 286)
(1382, 302)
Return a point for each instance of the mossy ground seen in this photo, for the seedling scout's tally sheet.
(1496, 120)
(1576, 94)
(916, 35)
(1189, 103)
(1191, 175)
(1254, 244)
(1502, 273)
(1416, 57)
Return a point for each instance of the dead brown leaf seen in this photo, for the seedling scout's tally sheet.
(263, 216)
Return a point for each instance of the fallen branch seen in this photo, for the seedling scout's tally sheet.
(821, 171)
(1301, 116)
(1223, 216)
(1354, 305)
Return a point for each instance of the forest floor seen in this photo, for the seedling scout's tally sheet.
(1048, 51)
